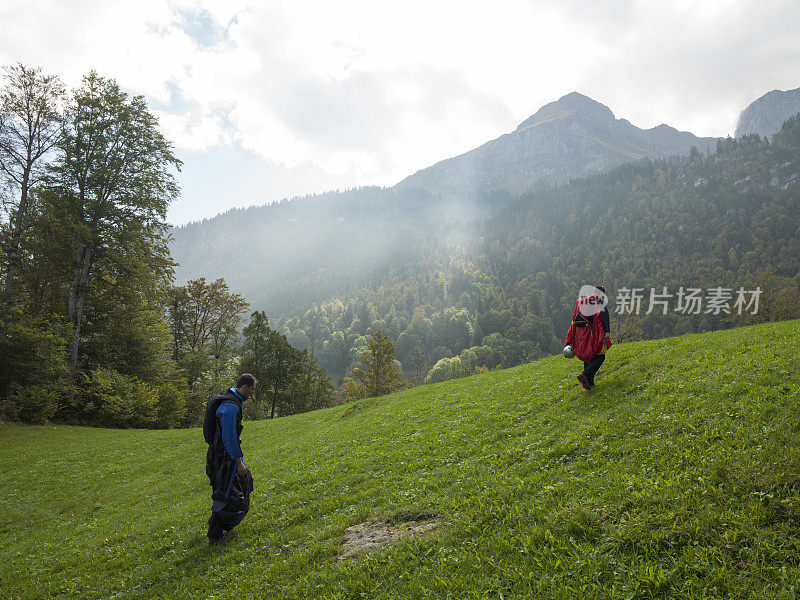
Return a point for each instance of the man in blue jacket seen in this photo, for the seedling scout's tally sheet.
(230, 478)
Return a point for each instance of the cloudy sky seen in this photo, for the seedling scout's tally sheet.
(272, 99)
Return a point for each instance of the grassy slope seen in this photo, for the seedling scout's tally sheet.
(677, 476)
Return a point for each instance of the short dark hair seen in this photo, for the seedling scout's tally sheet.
(601, 288)
(245, 379)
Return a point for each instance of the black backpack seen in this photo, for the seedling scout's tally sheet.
(210, 418)
(581, 321)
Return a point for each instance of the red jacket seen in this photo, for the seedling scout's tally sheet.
(587, 341)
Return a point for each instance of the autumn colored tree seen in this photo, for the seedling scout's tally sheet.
(377, 374)
(204, 321)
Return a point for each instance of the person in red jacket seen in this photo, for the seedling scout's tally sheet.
(588, 333)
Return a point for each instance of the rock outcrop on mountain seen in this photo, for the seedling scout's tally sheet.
(572, 137)
(766, 115)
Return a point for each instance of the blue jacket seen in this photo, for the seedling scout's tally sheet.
(227, 417)
(222, 428)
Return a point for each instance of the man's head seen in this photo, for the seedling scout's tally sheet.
(246, 385)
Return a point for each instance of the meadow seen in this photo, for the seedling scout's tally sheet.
(678, 476)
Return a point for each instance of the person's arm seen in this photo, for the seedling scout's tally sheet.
(606, 320)
(227, 413)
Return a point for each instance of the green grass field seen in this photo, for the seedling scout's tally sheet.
(678, 476)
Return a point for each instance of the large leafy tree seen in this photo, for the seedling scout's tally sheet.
(256, 353)
(312, 388)
(114, 176)
(30, 125)
(284, 365)
(204, 322)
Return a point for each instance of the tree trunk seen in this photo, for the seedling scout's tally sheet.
(77, 300)
(377, 376)
(13, 254)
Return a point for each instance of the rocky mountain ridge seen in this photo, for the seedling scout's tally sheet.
(766, 115)
(572, 137)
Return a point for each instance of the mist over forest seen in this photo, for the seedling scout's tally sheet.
(488, 279)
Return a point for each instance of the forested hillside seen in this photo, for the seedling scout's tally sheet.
(494, 274)
(348, 239)
(503, 282)
(304, 250)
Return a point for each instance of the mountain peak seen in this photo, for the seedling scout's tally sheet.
(572, 103)
(766, 115)
(572, 137)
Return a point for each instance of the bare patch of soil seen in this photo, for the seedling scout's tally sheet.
(376, 533)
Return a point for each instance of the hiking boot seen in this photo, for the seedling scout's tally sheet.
(584, 381)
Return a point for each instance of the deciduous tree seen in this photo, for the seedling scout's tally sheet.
(114, 176)
(204, 321)
(30, 125)
(378, 373)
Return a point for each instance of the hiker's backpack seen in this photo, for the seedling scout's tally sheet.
(586, 332)
(210, 417)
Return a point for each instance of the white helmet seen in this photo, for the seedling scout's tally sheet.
(568, 351)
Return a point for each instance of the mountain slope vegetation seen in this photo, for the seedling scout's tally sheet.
(677, 476)
(503, 278)
(445, 272)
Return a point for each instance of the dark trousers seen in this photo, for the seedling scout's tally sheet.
(231, 492)
(590, 368)
(223, 521)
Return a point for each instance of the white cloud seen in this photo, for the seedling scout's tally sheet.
(372, 91)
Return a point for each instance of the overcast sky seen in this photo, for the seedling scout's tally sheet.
(266, 100)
